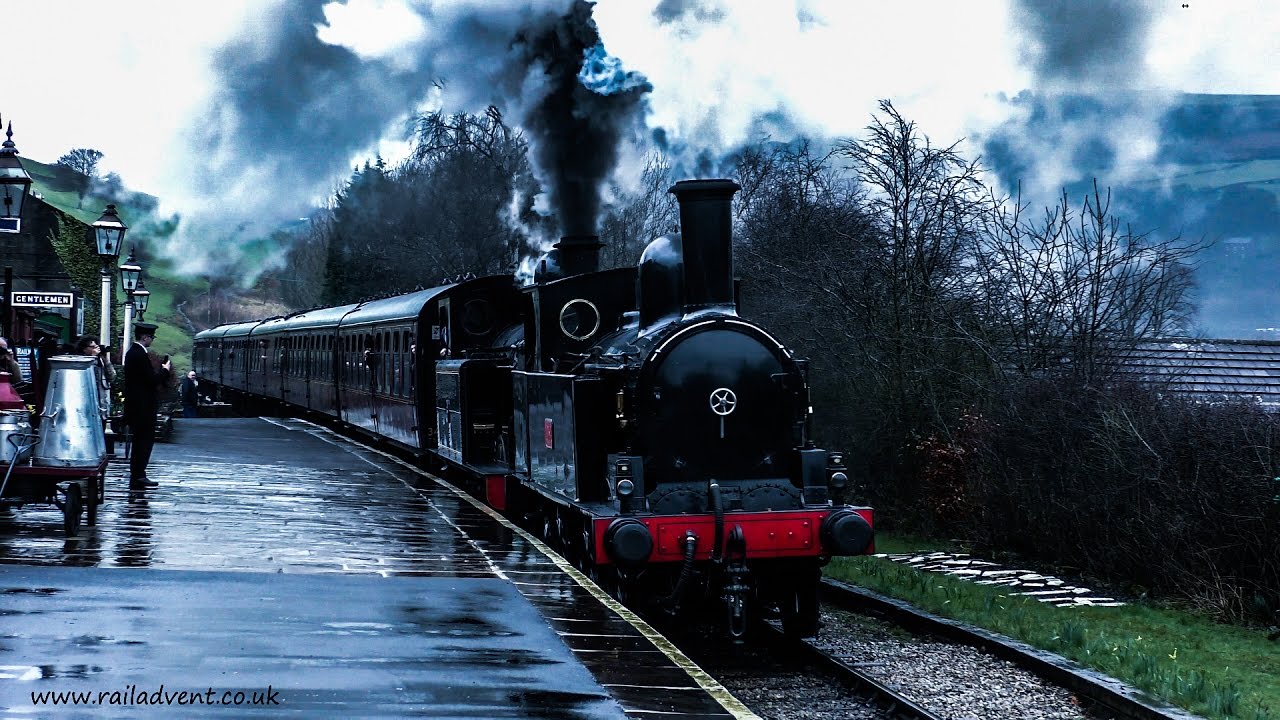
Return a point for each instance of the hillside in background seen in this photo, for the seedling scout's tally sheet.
(1228, 190)
(170, 294)
(1217, 178)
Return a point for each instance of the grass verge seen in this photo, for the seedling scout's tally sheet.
(1211, 669)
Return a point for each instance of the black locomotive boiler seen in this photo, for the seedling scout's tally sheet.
(629, 416)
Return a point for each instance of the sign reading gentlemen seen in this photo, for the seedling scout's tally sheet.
(43, 299)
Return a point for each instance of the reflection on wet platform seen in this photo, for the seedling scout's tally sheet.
(287, 497)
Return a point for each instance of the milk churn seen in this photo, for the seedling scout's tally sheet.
(14, 420)
(71, 426)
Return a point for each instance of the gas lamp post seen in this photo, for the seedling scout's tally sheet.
(141, 297)
(130, 272)
(14, 184)
(109, 232)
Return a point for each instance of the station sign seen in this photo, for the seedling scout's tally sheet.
(42, 299)
(26, 360)
(10, 225)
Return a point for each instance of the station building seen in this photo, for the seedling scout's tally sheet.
(50, 289)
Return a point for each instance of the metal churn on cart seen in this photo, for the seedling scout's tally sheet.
(69, 462)
(71, 433)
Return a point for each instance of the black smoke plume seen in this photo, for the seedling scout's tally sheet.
(1101, 42)
(295, 111)
(575, 130)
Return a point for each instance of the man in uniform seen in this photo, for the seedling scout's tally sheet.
(141, 400)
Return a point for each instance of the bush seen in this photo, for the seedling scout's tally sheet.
(1132, 483)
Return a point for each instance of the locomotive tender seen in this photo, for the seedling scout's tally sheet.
(630, 416)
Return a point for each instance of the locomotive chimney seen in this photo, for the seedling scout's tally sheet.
(706, 238)
(579, 254)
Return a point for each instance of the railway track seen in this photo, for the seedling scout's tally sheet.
(780, 677)
(1095, 694)
(881, 658)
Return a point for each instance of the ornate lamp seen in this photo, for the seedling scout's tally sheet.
(109, 231)
(141, 297)
(130, 271)
(14, 184)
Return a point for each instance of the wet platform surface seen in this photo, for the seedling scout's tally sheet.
(349, 583)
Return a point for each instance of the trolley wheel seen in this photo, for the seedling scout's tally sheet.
(71, 510)
(799, 610)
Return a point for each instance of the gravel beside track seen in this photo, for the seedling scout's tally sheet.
(948, 679)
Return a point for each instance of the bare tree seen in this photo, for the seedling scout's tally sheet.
(637, 217)
(83, 161)
(1073, 290)
(925, 204)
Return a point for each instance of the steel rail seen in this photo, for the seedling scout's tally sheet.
(893, 703)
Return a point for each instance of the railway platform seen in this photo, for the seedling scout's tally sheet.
(280, 570)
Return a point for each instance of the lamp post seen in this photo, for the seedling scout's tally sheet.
(109, 232)
(130, 272)
(14, 184)
(141, 297)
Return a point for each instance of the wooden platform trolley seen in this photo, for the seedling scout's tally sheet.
(64, 463)
(74, 490)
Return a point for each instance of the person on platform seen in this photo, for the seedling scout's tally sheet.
(8, 363)
(190, 394)
(141, 401)
(102, 370)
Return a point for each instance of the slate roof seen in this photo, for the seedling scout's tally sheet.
(1210, 369)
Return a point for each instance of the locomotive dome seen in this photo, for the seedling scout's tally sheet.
(658, 280)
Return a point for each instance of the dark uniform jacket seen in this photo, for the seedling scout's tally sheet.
(141, 380)
(189, 391)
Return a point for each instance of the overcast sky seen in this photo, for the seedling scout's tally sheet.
(154, 83)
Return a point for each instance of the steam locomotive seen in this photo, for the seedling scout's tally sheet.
(629, 416)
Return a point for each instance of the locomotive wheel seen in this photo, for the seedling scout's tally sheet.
(71, 510)
(799, 610)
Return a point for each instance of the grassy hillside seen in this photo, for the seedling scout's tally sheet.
(57, 186)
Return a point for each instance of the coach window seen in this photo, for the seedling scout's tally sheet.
(352, 370)
(402, 368)
(389, 365)
(384, 350)
(413, 363)
(409, 363)
(344, 356)
(400, 363)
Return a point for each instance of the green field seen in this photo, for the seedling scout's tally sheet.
(1180, 656)
(1263, 174)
